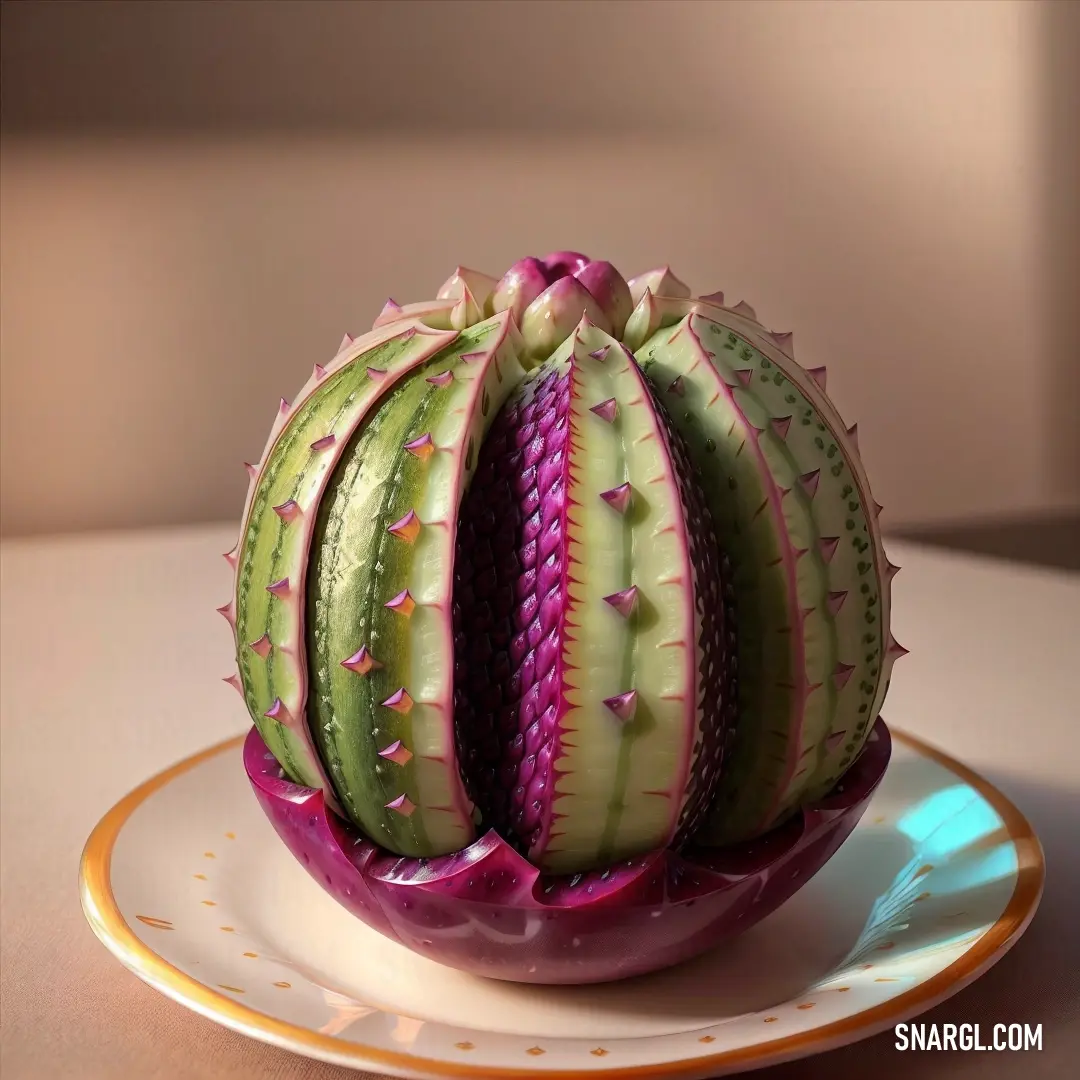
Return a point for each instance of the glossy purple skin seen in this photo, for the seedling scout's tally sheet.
(509, 601)
(564, 264)
(487, 911)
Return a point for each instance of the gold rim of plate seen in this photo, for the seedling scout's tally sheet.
(103, 914)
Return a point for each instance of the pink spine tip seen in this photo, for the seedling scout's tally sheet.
(402, 805)
(402, 604)
(279, 588)
(283, 407)
(716, 298)
(228, 612)
(318, 373)
(472, 357)
(827, 546)
(445, 378)
(375, 374)
(810, 481)
(877, 509)
(833, 741)
(391, 310)
(233, 557)
(890, 570)
(618, 498)
(234, 681)
(279, 712)
(819, 375)
(745, 310)
(324, 443)
(744, 375)
(601, 353)
(252, 470)
(400, 701)
(361, 662)
(624, 706)
(894, 650)
(346, 341)
(606, 410)
(784, 341)
(841, 674)
(397, 753)
(624, 602)
(677, 386)
(288, 511)
(781, 425)
(853, 435)
(835, 601)
(406, 528)
(261, 647)
(421, 448)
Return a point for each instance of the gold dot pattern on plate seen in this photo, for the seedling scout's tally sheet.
(879, 820)
(157, 924)
(209, 903)
(885, 979)
(770, 1019)
(209, 855)
(842, 989)
(922, 896)
(923, 870)
(230, 836)
(886, 946)
(599, 1052)
(199, 877)
(229, 929)
(283, 985)
(806, 1005)
(252, 955)
(536, 1051)
(465, 1046)
(707, 1038)
(231, 989)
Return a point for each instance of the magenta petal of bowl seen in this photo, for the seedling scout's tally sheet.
(487, 911)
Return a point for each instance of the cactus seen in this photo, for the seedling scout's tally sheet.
(562, 570)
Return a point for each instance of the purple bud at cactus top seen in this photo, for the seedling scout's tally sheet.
(564, 264)
(519, 287)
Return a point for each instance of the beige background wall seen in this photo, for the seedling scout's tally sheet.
(197, 200)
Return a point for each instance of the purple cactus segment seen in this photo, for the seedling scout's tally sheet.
(510, 596)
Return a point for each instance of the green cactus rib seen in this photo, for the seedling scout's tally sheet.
(379, 643)
(269, 596)
(622, 782)
(809, 583)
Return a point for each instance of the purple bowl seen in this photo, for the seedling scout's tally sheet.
(487, 911)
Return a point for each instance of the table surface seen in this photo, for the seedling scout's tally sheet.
(111, 660)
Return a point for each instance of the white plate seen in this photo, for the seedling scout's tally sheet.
(187, 884)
